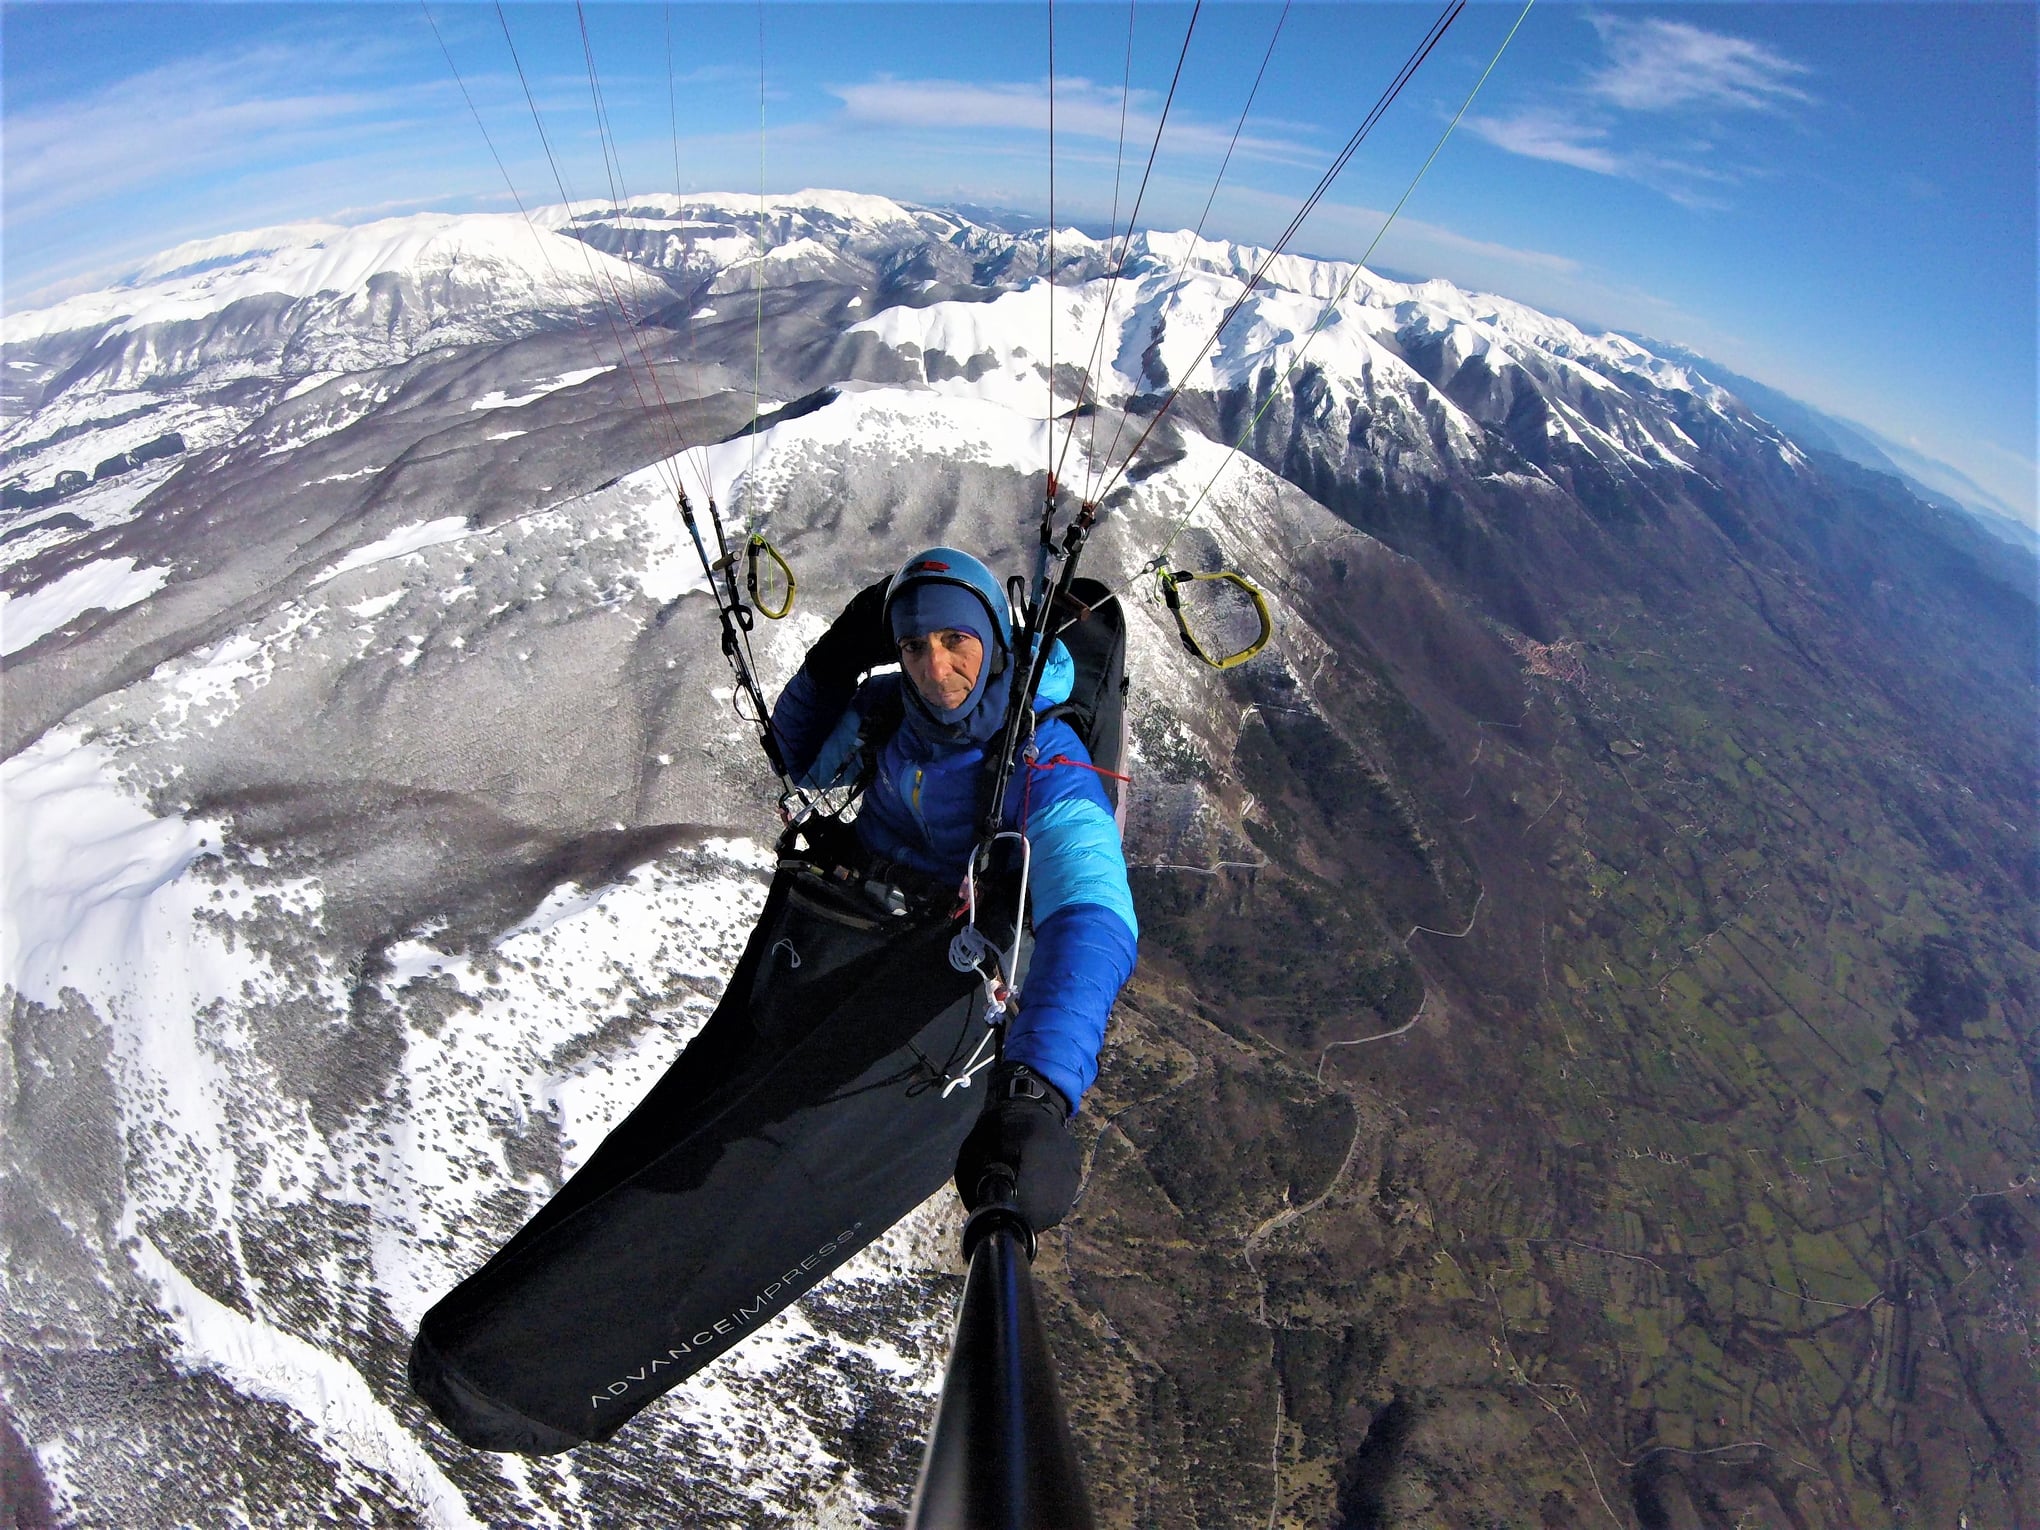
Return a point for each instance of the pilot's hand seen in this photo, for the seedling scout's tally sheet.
(1025, 1128)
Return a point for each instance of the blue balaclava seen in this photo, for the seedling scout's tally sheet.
(943, 588)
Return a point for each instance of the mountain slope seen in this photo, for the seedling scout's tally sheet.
(228, 319)
(1932, 480)
(1584, 1055)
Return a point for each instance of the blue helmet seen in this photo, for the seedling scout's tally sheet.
(918, 601)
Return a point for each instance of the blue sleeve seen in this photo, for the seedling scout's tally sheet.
(1083, 955)
(1085, 931)
(1077, 857)
(805, 721)
(1059, 800)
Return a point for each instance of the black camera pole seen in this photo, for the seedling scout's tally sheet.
(1000, 1455)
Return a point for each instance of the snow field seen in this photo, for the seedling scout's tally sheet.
(748, 475)
(498, 399)
(400, 543)
(112, 584)
(85, 863)
(339, 1410)
(105, 423)
(900, 423)
(558, 1031)
(555, 1025)
(759, 1402)
(101, 900)
(643, 506)
(1150, 329)
(842, 206)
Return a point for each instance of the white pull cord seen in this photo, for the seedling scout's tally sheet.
(969, 950)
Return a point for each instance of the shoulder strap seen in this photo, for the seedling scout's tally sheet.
(988, 779)
(888, 712)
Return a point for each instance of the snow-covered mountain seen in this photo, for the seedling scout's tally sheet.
(379, 823)
(331, 937)
(294, 303)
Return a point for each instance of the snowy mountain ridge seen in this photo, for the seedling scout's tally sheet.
(311, 301)
(461, 259)
(526, 270)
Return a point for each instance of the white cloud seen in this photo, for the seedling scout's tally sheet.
(717, 74)
(888, 102)
(1658, 65)
(1416, 232)
(1083, 109)
(196, 115)
(1543, 134)
(1342, 230)
(1583, 144)
(1668, 80)
(270, 130)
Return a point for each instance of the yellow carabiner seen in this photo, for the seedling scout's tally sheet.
(1227, 576)
(752, 550)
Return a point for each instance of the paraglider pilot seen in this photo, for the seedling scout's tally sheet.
(790, 1131)
(921, 739)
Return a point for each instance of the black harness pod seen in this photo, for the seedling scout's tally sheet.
(803, 1120)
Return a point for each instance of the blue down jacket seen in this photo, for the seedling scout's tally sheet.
(921, 810)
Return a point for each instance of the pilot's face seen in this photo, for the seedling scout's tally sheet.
(943, 665)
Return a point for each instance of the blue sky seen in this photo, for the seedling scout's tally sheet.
(1838, 199)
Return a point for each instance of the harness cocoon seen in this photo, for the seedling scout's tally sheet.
(803, 1120)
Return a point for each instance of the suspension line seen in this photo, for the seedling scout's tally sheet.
(733, 615)
(1126, 244)
(1050, 432)
(1331, 306)
(1197, 234)
(1388, 96)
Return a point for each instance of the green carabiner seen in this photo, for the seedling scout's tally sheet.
(752, 549)
(1226, 576)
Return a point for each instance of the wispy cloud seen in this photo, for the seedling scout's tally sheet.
(1592, 297)
(718, 74)
(1342, 230)
(1659, 109)
(1662, 66)
(268, 130)
(1546, 134)
(1083, 109)
(1418, 233)
(207, 114)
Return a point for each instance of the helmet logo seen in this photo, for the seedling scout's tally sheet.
(927, 565)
